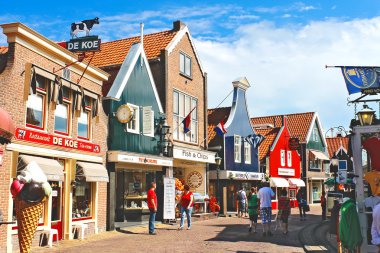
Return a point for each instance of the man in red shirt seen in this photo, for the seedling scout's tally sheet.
(152, 205)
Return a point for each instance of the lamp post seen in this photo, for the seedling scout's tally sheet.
(218, 161)
(164, 137)
(366, 115)
(334, 169)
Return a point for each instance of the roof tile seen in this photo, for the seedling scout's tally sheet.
(334, 143)
(270, 135)
(215, 116)
(3, 49)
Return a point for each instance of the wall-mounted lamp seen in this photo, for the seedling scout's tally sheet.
(366, 115)
(165, 144)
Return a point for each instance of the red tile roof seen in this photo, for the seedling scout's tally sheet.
(114, 52)
(298, 123)
(3, 49)
(214, 117)
(334, 143)
(270, 135)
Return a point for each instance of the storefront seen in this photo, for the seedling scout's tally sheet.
(134, 174)
(233, 181)
(189, 166)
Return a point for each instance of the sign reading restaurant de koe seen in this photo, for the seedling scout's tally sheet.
(54, 140)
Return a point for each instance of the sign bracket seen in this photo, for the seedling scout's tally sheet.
(81, 56)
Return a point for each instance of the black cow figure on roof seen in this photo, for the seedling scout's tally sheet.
(84, 26)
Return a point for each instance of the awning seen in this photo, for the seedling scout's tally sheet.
(92, 172)
(278, 182)
(7, 127)
(320, 155)
(52, 168)
(296, 181)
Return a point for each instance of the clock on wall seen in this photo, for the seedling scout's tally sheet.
(124, 113)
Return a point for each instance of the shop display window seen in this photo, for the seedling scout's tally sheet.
(292, 193)
(82, 199)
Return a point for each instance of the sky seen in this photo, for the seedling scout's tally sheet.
(281, 47)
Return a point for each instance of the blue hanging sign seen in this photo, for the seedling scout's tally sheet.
(361, 79)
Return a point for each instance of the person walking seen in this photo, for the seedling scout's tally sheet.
(265, 196)
(152, 205)
(323, 205)
(187, 202)
(252, 209)
(301, 204)
(242, 202)
(284, 209)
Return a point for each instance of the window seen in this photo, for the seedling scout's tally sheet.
(247, 152)
(315, 135)
(342, 164)
(62, 114)
(184, 64)
(83, 125)
(36, 104)
(82, 193)
(289, 158)
(237, 148)
(182, 105)
(133, 126)
(282, 157)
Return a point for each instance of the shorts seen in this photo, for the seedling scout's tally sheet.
(242, 206)
(266, 215)
(253, 217)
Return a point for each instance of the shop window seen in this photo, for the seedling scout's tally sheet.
(247, 152)
(342, 164)
(82, 199)
(292, 193)
(185, 64)
(289, 158)
(36, 104)
(182, 105)
(314, 164)
(56, 201)
(133, 126)
(282, 153)
(62, 114)
(237, 148)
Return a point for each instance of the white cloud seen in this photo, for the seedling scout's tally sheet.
(286, 66)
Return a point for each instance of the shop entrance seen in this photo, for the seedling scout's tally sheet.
(56, 208)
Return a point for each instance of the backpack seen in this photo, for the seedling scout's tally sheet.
(239, 196)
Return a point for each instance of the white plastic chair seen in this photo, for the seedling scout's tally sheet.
(80, 228)
(49, 232)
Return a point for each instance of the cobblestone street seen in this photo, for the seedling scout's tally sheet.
(228, 234)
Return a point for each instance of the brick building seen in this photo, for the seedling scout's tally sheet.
(61, 126)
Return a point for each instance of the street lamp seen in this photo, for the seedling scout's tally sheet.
(334, 169)
(218, 161)
(366, 115)
(164, 137)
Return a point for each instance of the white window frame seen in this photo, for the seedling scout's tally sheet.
(136, 118)
(183, 64)
(289, 158)
(40, 92)
(339, 164)
(67, 103)
(282, 157)
(183, 110)
(237, 148)
(247, 153)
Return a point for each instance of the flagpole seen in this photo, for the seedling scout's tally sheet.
(184, 118)
(327, 66)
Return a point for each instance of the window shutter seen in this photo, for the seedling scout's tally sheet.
(147, 120)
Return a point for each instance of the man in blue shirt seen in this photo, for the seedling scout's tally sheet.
(265, 196)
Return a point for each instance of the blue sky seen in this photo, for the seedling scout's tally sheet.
(280, 46)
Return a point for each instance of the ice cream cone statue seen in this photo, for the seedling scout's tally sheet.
(29, 191)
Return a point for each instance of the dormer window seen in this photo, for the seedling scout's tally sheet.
(185, 64)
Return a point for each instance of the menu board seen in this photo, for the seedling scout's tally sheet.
(169, 198)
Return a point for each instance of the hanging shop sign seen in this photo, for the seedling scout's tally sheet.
(286, 172)
(54, 140)
(294, 143)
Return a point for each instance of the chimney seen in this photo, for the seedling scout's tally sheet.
(177, 25)
(339, 135)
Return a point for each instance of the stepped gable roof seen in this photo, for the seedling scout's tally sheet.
(215, 116)
(298, 123)
(114, 52)
(334, 143)
(270, 135)
(3, 50)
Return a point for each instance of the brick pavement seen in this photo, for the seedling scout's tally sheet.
(228, 234)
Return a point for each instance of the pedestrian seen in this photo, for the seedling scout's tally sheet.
(301, 204)
(242, 201)
(265, 196)
(252, 209)
(187, 202)
(323, 205)
(284, 209)
(152, 205)
(375, 228)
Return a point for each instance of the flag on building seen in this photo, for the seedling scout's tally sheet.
(360, 78)
(254, 139)
(219, 129)
(186, 123)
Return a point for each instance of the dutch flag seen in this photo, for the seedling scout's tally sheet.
(186, 123)
(219, 129)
